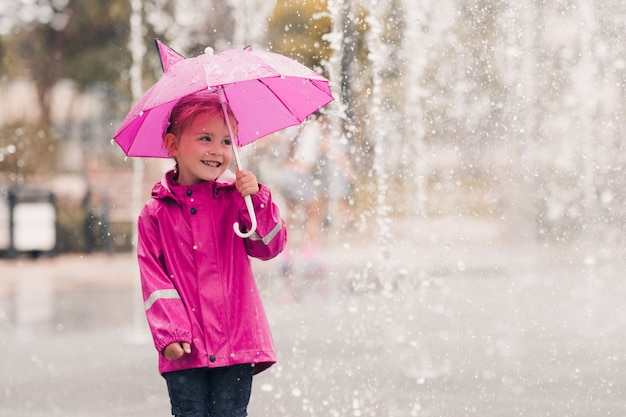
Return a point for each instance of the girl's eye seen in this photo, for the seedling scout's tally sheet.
(205, 138)
(226, 141)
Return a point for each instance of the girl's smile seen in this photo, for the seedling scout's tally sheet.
(203, 151)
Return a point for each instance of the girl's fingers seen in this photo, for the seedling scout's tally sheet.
(247, 183)
(175, 351)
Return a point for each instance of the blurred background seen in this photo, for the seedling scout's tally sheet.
(488, 109)
(468, 138)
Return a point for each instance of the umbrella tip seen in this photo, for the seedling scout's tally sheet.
(208, 50)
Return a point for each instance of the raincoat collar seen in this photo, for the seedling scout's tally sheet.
(166, 188)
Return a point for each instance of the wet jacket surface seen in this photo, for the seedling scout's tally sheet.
(196, 277)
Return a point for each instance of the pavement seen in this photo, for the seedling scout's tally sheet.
(455, 322)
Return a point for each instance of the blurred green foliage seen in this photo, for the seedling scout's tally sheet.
(89, 49)
(296, 29)
(97, 42)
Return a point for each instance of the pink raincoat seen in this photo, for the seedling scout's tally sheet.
(196, 277)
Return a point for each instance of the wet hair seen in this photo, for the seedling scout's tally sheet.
(185, 111)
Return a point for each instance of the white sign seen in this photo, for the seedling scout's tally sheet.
(34, 227)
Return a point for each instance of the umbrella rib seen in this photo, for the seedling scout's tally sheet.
(260, 80)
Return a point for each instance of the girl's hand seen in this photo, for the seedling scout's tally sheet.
(246, 183)
(176, 350)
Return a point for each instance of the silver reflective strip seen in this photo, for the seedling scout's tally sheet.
(268, 238)
(158, 295)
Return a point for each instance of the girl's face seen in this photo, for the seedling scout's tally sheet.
(203, 151)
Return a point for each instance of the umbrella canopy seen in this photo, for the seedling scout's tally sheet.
(265, 91)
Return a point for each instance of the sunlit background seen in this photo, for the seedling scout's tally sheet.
(474, 267)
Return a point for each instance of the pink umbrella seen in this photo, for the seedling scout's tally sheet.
(266, 92)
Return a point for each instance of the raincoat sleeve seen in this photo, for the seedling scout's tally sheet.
(270, 237)
(166, 314)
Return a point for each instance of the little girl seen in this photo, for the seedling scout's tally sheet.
(201, 300)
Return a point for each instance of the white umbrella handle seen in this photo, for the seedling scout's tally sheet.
(233, 139)
(250, 207)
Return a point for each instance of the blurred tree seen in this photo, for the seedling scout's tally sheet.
(71, 39)
(296, 29)
(83, 41)
(96, 42)
(40, 46)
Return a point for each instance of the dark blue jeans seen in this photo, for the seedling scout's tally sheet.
(215, 392)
